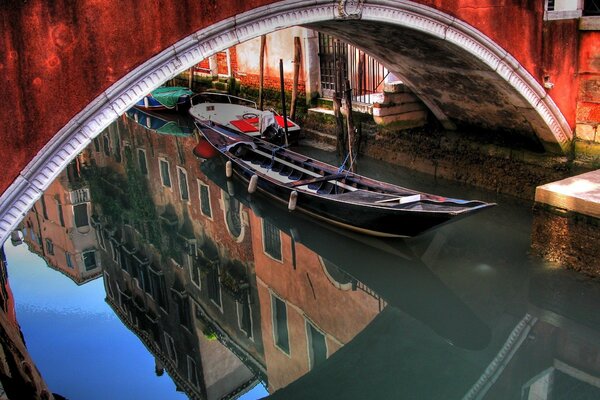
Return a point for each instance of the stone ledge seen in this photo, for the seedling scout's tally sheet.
(591, 23)
(580, 194)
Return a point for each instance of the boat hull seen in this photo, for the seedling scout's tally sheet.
(390, 217)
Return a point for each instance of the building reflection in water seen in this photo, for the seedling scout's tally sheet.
(19, 377)
(227, 290)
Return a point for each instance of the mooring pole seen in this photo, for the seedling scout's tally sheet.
(283, 101)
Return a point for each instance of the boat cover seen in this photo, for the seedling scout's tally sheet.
(168, 96)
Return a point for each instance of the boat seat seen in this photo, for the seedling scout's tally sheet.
(327, 188)
(315, 185)
(277, 167)
(318, 179)
(285, 171)
(295, 175)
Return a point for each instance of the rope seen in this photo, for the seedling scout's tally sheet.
(275, 150)
(341, 169)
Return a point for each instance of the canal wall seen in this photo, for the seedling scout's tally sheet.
(459, 156)
(566, 238)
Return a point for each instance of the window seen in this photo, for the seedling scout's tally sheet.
(81, 215)
(165, 173)
(183, 184)
(96, 144)
(68, 259)
(142, 161)
(317, 346)
(171, 351)
(50, 247)
(271, 240)
(591, 7)
(280, 328)
(89, 260)
(205, 206)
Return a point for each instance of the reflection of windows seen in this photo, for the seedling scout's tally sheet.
(205, 206)
(81, 215)
(244, 314)
(158, 288)
(271, 240)
(192, 372)
(214, 285)
(109, 289)
(195, 274)
(100, 238)
(165, 173)
(183, 184)
(89, 260)
(280, 328)
(317, 346)
(61, 217)
(171, 351)
(106, 145)
(96, 144)
(232, 216)
(44, 210)
(115, 252)
(50, 247)
(68, 259)
(142, 161)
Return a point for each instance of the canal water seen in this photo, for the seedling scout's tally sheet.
(143, 273)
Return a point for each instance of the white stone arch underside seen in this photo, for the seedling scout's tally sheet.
(106, 108)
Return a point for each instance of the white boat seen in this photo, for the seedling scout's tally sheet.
(243, 116)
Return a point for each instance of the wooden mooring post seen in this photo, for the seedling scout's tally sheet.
(261, 79)
(297, 61)
(337, 108)
(350, 128)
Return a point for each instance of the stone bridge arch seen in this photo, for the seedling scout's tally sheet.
(510, 87)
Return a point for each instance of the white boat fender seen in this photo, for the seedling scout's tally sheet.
(228, 169)
(293, 200)
(252, 184)
(230, 190)
(146, 103)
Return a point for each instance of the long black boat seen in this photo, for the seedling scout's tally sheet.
(337, 196)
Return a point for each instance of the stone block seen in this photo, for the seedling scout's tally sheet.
(397, 109)
(585, 132)
(411, 119)
(580, 194)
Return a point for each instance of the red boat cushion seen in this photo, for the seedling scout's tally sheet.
(244, 125)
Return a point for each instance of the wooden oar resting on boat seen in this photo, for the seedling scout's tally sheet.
(336, 196)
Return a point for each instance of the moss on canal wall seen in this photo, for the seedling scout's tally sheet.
(566, 238)
(463, 157)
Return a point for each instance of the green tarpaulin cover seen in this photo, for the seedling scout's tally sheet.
(168, 96)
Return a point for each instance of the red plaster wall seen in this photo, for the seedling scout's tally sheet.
(588, 105)
(58, 56)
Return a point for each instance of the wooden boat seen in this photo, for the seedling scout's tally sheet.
(337, 196)
(166, 98)
(242, 116)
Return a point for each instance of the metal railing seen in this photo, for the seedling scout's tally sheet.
(365, 74)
